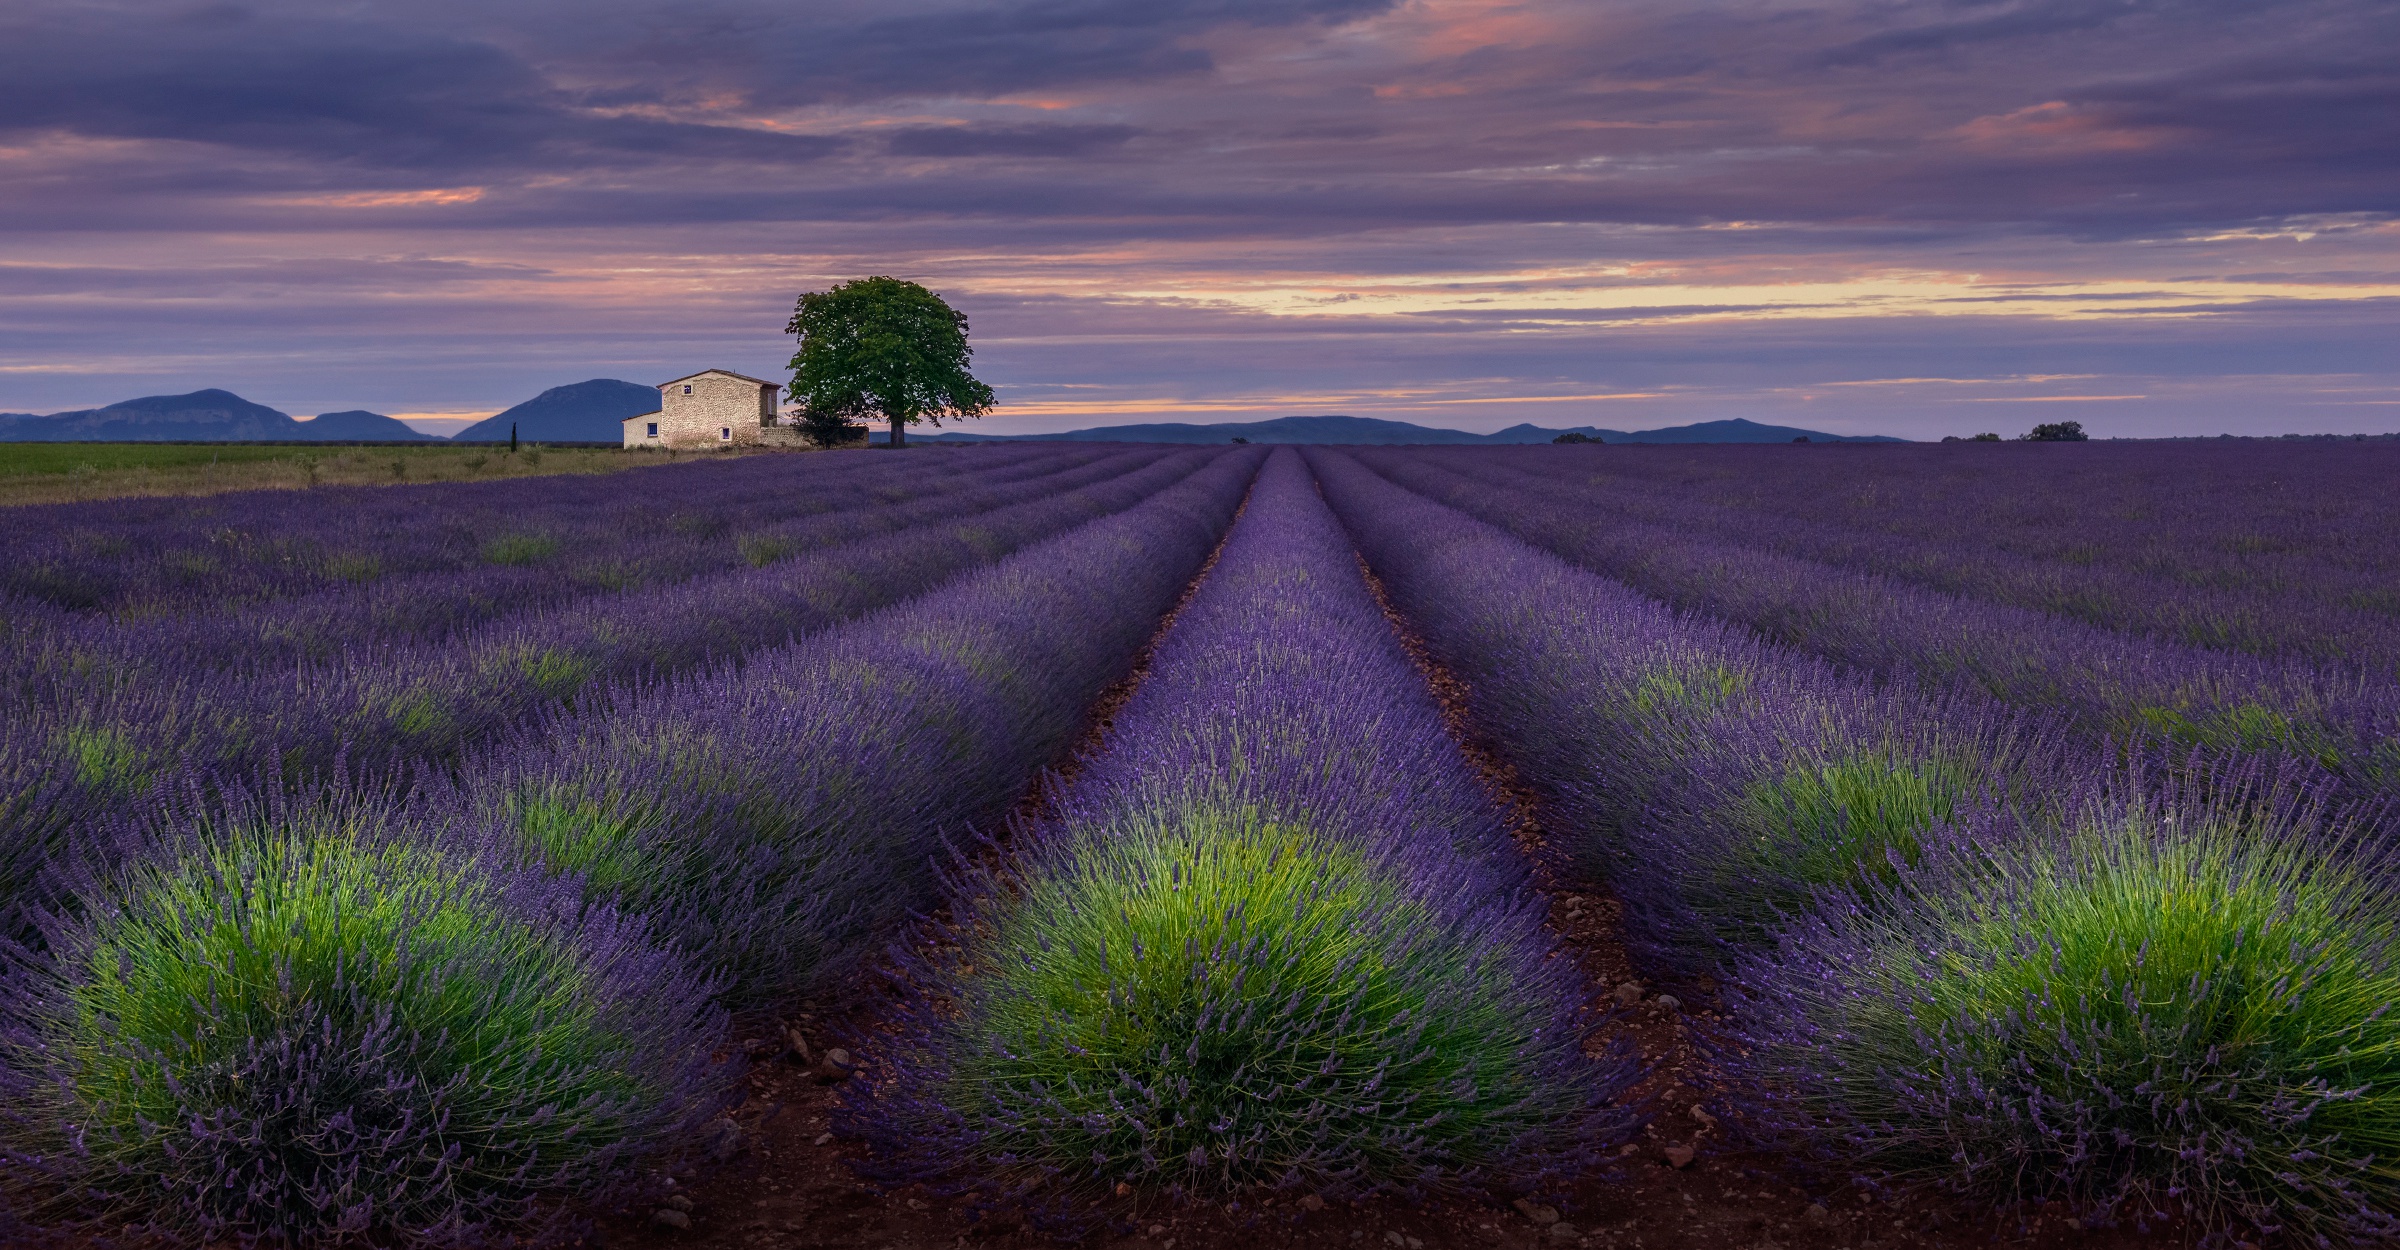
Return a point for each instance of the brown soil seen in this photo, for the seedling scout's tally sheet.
(792, 1186)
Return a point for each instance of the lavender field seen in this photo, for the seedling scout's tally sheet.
(2010, 828)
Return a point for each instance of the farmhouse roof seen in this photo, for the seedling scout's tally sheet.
(640, 416)
(727, 372)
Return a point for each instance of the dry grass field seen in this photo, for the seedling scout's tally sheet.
(33, 473)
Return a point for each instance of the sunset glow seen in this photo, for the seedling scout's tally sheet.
(1475, 212)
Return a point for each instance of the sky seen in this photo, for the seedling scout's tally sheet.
(1911, 217)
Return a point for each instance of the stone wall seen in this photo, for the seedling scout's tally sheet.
(712, 409)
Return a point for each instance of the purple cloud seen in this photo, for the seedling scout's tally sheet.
(1450, 210)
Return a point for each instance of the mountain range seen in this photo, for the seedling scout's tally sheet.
(591, 411)
(1375, 430)
(202, 416)
(583, 412)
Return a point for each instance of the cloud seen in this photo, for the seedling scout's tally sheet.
(1202, 201)
(981, 50)
(351, 94)
(1036, 141)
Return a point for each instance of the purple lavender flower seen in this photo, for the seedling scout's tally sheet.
(779, 817)
(2178, 1003)
(319, 1018)
(1273, 936)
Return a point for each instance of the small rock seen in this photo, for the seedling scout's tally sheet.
(1311, 1202)
(1629, 993)
(822, 1138)
(916, 1204)
(800, 1051)
(1815, 1214)
(1395, 1238)
(836, 1066)
(724, 1139)
(678, 1201)
(1156, 1229)
(1701, 1114)
(1565, 1232)
(1124, 1190)
(1627, 1149)
(1670, 1002)
(1679, 1156)
(1535, 1211)
(670, 1217)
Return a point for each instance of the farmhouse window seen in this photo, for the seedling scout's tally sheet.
(687, 388)
(725, 432)
(654, 429)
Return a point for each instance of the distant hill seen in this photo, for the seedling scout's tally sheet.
(591, 412)
(361, 426)
(585, 412)
(210, 415)
(1375, 431)
(1279, 430)
(1738, 430)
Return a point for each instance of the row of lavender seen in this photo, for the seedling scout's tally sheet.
(539, 557)
(83, 745)
(1963, 947)
(2274, 550)
(2104, 682)
(422, 1009)
(1273, 939)
(132, 557)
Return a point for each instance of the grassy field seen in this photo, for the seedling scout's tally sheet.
(64, 472)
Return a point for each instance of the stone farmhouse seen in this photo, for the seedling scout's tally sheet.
(717, 408)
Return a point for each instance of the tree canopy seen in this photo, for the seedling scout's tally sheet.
(2058, 432)
(883, 347)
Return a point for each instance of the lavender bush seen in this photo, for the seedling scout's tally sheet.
(2181, 1005)
(2109, 684)
(1716, 780)
(386, 707)
(318, 1019)
(2270, 548)
(540, 557)
(176, 555)
(1274, 937)
(777, 817)
(1818, 784)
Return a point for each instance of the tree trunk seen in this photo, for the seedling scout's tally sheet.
(899, 433)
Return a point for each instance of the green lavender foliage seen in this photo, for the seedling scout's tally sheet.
(2168, 1006)
(297, 1027)
(1217, 1001)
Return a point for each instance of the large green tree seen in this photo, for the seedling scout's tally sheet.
(881, 347)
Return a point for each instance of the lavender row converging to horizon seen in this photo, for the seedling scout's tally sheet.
(1715, 780)
(450, 1000)
(81, 750)
(499, 567)
(777, 815)
(2107, 683)
(2273, 549)
(1963, 950)
(1273, 936)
